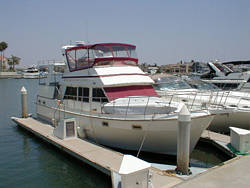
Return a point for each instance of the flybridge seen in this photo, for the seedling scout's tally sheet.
(83, 56)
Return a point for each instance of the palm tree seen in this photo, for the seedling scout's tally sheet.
(3, 46)
(13, 61)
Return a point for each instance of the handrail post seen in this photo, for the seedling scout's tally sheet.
(127, 108)
(193, 101)
(146, 107)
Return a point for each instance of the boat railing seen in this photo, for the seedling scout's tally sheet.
(213, 98)
(145, 107)
(124, 108)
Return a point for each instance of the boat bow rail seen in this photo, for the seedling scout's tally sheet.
(122, 109)
(198, 99)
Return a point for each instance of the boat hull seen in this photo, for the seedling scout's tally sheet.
(159, 135)
(222, 122)
(230, 112)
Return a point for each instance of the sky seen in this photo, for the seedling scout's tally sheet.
(165, 32)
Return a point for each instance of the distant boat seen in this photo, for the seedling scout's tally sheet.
(31, 73)
(225, 78)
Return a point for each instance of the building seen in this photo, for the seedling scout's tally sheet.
(3, 63)
(180, 68)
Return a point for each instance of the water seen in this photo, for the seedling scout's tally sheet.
(26, 161)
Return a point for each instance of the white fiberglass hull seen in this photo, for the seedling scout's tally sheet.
(232, 109)
(31, 75)
(223, 121)
(160, 134)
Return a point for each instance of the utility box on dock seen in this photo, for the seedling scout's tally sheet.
(66, 129)
(133, 172)
(240, 139)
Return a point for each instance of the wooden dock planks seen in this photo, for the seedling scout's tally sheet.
(94, 155)
(215, 136)
(97, 156)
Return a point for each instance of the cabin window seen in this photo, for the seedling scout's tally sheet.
(71, 57)
(83, 94)
(227, 86)
(71, 93)
(80, 59)
(98, 95)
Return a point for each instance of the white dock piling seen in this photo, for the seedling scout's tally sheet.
(24, 102)
(183, 141)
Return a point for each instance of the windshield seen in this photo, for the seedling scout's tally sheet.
(201, 85)
(103, 51)
(171, 83)
(222, 68)
(82, 58)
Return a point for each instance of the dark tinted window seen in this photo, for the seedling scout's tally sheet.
(98, 95)
(70, 93)
(83, 94)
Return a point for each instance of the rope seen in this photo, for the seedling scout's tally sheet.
(144, 138)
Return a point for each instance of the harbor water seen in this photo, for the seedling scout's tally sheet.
(26, 161)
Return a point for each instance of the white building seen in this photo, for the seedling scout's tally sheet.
(3, 63)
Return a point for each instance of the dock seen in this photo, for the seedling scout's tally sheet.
(232, 173)
(99, 157)
(10, 75)
(215, 136)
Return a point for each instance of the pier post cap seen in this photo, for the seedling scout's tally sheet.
(131, 164)
(184, 114)
(23, 90)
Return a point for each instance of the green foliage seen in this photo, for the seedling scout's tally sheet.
(3, 46)
(13, 60)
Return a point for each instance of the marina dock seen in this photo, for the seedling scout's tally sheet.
(101, 158)
(232, 173)
(10, 75)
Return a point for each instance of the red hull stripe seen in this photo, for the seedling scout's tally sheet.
(98, 76)
(128, 91)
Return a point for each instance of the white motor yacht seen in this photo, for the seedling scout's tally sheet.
(31, 72)
(113, 101)
(225, 78)
(231, 108)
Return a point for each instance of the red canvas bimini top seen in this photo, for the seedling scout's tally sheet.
(127, 91)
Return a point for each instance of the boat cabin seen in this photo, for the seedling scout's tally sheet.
(101, 73)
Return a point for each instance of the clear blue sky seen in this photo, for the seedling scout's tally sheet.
(164, 31)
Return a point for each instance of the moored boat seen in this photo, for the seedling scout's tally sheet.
(31, 72)
(225, 78)
(113, 101)
(231, 108)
